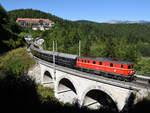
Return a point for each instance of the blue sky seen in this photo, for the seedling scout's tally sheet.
(94, 10)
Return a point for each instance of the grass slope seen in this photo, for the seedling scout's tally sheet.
(15, 62)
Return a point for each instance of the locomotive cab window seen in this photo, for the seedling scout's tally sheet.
(111, 64)
(94, 62)
(121, 66)
(100, 63)
(129, 67)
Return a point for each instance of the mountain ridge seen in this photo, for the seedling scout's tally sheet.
(32, 13)
(127, 22)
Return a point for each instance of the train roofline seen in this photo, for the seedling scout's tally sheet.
(107, 60)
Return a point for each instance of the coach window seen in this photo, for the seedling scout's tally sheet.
(78, 59)
(121, 66)
(100, 63)
(88, 61)
(82, 60)
(111, 65)
(85, 61)
(94, 62)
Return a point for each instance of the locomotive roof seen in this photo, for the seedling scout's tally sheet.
(107, 60)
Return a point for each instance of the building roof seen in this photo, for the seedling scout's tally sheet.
(34, 20)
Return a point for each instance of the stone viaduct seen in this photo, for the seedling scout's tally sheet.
(87, 89)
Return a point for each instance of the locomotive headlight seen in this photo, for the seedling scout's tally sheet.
(134, 71)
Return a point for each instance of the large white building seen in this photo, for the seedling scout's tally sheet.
(35, 23)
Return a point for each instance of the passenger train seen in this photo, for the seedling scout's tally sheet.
(111, 68)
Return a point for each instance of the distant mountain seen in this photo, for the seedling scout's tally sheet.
(144, 22)
(116, 22)
(127, 22)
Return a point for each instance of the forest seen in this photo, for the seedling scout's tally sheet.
(9, 31)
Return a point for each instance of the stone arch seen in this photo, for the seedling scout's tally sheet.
(66, 90)
(48, 79)
(95, 96)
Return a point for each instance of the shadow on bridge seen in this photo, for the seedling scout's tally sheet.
(98, 99)
(66, 91)
(48, 80)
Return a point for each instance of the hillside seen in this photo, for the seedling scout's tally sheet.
(15, 62)
(30, 13)
(9, 31)
(68, 33)
(133, 32)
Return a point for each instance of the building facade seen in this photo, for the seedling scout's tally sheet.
(35, 23)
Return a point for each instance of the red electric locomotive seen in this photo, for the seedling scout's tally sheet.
(107, 67)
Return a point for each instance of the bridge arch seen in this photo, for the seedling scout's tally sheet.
(96, 97)
(48, 79)
(66, 90)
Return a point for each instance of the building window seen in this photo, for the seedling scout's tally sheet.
(111, 64)
(94, 62)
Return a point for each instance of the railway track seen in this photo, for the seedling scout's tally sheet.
(142, 81)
